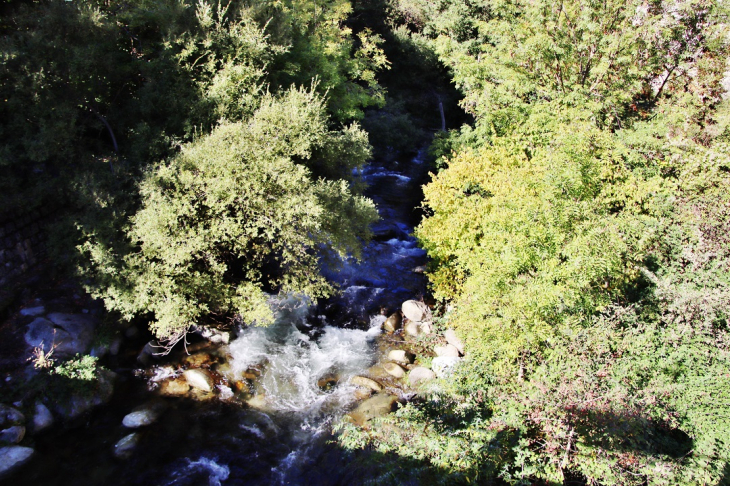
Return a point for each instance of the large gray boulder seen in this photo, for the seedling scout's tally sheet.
(416, 311)
(13, 457)
(83, 402)
(66, 334)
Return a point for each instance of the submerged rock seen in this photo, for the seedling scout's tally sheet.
(419, 374)
(416, 311)
(13, 457)
(126, 445)
(197, 360)
(362, 393)
(327, 382)
(148, 352)
(453, 339)
(174, 387)
(366, 383)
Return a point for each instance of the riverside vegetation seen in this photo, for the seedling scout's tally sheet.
(577, 226)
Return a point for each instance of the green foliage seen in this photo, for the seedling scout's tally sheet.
(238, 212)
(82, 368)
(209, 89)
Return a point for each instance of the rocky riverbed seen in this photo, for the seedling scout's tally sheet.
(241, 403)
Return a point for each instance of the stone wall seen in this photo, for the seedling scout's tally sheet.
(22, 242)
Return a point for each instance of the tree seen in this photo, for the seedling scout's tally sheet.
(237, 213)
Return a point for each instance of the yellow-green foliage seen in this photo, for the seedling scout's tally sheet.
(531, 236)
(580, 234)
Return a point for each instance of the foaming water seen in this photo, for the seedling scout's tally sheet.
(195, 473)
(298, 372)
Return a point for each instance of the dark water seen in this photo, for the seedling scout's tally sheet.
(278, 431)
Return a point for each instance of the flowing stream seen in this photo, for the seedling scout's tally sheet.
(277, 429)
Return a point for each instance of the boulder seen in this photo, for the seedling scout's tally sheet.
(400, 356)
(115, 345)
(200, 379)
(143, 415)
(366, 383)
(425, 327)
(66, 334)
(174, 387)
(393, 322)
(213, 335)
(42, 418)
(13, 457)
(443, 366)
(420, 374)
(12, 435)
(148, 352)
(126, 445)
(453, 339)
(377, 406)
(10, 416)
(394, 370)
(33, 311)
(416, 311)
(411, 329)
(81, 326)
(446, 351)
(83, 402)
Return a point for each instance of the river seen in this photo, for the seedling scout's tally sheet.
(276, 431)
